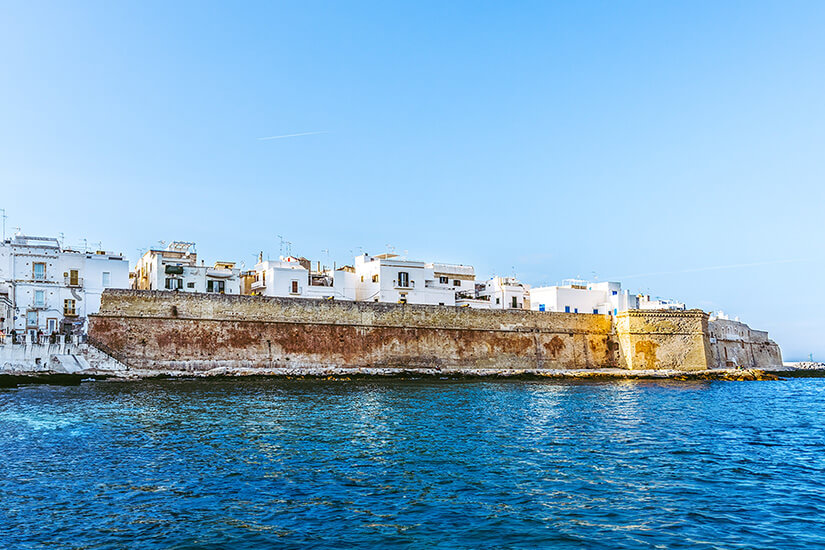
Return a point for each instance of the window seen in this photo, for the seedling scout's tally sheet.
(190, 285)
(174, 284)
(31, 319)
(362, 278)
(595, 312)
(515, 302)
(39, 270)
(541, 307)
(576, 310)
(294, 287)
(615, 292)
(567, 309)
(444, 280)
(402, 299)
(456, 282)
(74, 278)
(403, 279)
(39, 298)
(69, 307)
(375, 278)
(105, 279)
(498, 301)
(215, 286)
(51, 326)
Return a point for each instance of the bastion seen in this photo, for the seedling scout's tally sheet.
(177, 332)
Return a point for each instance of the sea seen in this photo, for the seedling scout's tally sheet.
(413, 463)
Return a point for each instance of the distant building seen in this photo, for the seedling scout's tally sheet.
(646, 302)
(292, 277)
(51, 288)
(577, 296)
(176, 268)
(388, 278)
(382, 278)
(496, 293)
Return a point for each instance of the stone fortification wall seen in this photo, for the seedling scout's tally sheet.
(663, 339)
(184, 332)
(191, 332)
(735, 344)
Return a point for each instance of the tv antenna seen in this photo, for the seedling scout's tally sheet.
(281, 249)
(3, 210)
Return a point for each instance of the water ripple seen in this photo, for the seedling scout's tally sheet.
(413, 463)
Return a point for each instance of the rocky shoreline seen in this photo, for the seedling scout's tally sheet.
(12, 378)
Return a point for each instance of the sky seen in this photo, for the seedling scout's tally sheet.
(676, 147)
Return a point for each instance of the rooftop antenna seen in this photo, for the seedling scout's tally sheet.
(85, 246)
(162, 244)
(326, 251)
(281, 238)
(390, 249)
(3, 210)
(62, 238)
(288, 246)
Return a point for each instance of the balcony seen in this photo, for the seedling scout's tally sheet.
(408, 286)
(73, 281)
(258, 285)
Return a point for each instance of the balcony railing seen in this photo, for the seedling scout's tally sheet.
(410, 284)
(73, 281)
(258, 284)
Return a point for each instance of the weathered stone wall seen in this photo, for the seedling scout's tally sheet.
(663, 339)
(168, 331)
(735, 344)
(183, 331)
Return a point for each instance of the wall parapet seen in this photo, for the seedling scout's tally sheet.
(190, 332)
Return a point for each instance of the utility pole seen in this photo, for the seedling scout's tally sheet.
(3, 210)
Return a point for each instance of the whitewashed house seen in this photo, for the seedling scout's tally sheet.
(502, 293)
(646, 302)
(292, 277)
(53, 289)
(176, 267)
(388, 278)
(577, 296)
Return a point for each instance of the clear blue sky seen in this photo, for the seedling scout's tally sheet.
(548, 139)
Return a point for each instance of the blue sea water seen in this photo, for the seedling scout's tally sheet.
(262, 463)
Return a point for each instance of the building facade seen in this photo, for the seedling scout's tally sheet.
(577, 296)
(176, 268)
(53, 289)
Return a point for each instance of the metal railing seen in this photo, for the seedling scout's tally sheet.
(72, 281)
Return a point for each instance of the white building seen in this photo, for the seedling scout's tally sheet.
(176, 268)
(388, 278)
(576, 296)
(382, 278)
(646, 302)
(53, 289)
(292, 277)
(496, 293)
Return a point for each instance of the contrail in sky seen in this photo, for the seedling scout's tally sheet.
(293, 135)
(711, 268)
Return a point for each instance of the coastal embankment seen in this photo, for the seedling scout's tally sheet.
(167, 333)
